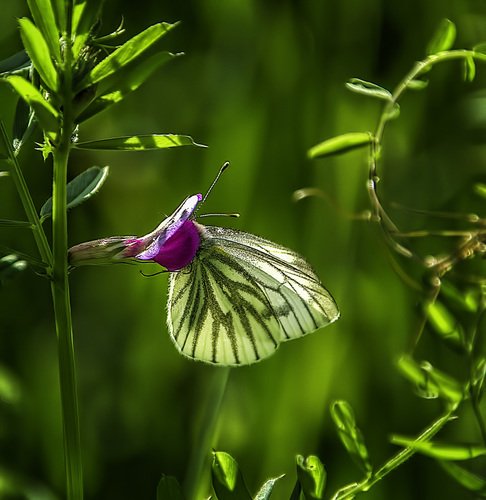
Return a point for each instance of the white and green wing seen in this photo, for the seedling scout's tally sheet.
(241, 297)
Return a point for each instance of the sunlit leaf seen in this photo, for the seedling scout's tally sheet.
(44, 18)
(350, 435)
(443, 38)
(440, 451)
(140, 142)
(444, 324)
(85, 13)
(311, 476)
(169, 489)
(37, 48)
(44, 112)
(480, 189)
(265, 492)
(417, 84)
(370, 89)
(430, 382)
(464, 477)
(80, 189)
(18, 62)
(467, 300)
(340, 144)
(134, 76)
(469, 67)
(125, 54)
(227, 479)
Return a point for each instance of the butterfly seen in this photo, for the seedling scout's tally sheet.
(234, 297)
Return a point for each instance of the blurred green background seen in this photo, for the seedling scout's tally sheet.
(260, 83)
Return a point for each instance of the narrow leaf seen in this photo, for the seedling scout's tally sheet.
(417, 84)
(125, 54)
(59, 9)
(464, 477)
(439, 450)
(370, 89)
(134, 76)
(140, 142)
(467, 300)
(266, 490)
(444, 324)
(340, 144)
(85, 14)
(80, 189)
(44, 18)
(22, 125)
(350, 435)
(15, 223)
(311, 475)
(13, 64)
(480, 189)
(469, 68)
(480, 47)
(44, 112)
(169, 489)
(37, 48)
(443, 38)
(431, 382)
(227, 479)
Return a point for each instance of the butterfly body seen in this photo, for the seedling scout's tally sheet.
(241, 296)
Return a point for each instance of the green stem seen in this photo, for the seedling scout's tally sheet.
(60, 292)
(26, 200)
(350, 491)
(193, 484)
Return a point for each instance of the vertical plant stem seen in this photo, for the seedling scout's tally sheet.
(200, 453)
(60, 290)
(62, 311)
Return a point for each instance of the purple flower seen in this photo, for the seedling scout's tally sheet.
(173, 244)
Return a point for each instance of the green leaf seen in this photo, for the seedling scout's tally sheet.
(370, 89)
(46, 115)
(464, 477)
(351, 437)
(140, 142)
(22, 125)
(134, 76)
(44, 18)
(340, 144)
(444, 324)
(37, 48)
(227, 479)
(266, 490)
(469, 68)
(480, 189)
(80, 189)
(169, 489)
(85, 14)
(480, 47)
(417, 84)
(16, 63)
(15, 223)
(311, 475)
(128, 52)
(440, 450)
(467, 300)
(443, 38)
(431, 382)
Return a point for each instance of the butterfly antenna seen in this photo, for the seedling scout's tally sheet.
(225, 165)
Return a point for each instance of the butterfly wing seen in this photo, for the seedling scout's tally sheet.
(242, 296)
